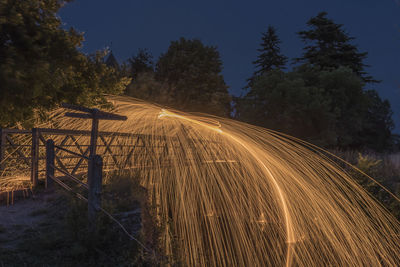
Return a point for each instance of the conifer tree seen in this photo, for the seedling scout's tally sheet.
(329, 47)
(270, 56)
(111, 61)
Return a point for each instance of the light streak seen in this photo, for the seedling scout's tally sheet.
(166, 113)
(232, 194)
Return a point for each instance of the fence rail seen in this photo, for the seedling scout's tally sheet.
(22, 151)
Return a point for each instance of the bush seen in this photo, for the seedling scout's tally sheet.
(63, 239)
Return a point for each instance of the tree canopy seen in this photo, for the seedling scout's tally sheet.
(270, 56)
(322, 100)
(192, 72)
(141, 62)
(40, 64)
(328, 47)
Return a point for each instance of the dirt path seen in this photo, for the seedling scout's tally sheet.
(23, 216)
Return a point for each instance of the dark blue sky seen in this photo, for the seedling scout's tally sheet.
(235, 27)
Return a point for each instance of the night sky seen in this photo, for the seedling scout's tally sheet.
(235, 27)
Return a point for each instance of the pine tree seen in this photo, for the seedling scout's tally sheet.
(111, 61)
(270, 56)
(329, 47)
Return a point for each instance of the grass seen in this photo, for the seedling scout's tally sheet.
(62, 237)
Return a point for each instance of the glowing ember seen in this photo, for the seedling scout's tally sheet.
(239, 195)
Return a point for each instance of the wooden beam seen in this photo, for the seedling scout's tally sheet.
(17, 148)
(99, 115)
(50, 155)
(79, 115)
(93, 137)
(35, 157)
(2, 148)
(76, 107)
(94, 197)
(110, 116)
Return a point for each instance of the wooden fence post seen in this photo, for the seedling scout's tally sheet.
(35, 157)
(2, 148)
(94, 134)
(95, 177)
(49, 164)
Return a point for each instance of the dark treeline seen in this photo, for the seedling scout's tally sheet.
(187, 76)
(321, 96)
(322, 99)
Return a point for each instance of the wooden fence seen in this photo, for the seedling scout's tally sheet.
(22, 152)
(54, 155)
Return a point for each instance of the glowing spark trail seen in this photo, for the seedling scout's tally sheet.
(227, 193)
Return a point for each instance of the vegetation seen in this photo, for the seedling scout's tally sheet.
(270, 57)
(140, 63)
(329, 47)
(63, 233)
(41, 65)
(322, 100)
(187, 77)
(385, 169)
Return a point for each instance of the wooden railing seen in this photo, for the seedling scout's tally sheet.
(22, 152)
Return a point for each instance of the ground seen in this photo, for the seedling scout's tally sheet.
(23, 216)
(50, 229)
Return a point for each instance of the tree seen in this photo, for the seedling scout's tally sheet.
(324, 107)
(285, 102)
(146, 87)
(141, 62)
(322, 100)
(111, 61)
(329, 47)
(377, 123)
(344, 89)
(270, 56)
(41, 66)
(193, 73)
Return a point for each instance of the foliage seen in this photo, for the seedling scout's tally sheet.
(323, 100)
(384, 172)
(41, 65)
(111, 61)
(324, 107)
(192, 71)
(141, 62)
(62, 239)
(377, 123)
(329, 47)
(270, 56)
(146, 87)
(346, 102)
(367, 164)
